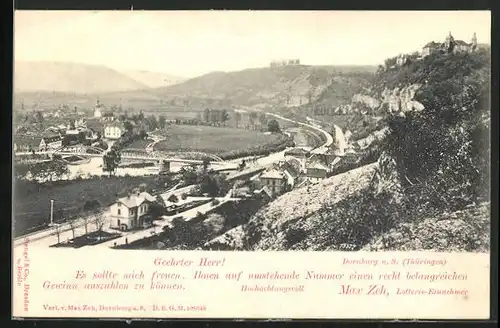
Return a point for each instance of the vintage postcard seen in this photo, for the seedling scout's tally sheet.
(251, 164)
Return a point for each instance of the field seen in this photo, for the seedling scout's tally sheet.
(32, 200)
(221, 141)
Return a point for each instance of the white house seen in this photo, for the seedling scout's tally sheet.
(131, 212)
(113, 131)
(51, 142)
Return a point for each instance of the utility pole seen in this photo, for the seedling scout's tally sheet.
(51, 212)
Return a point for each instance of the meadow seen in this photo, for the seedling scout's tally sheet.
(222, 141)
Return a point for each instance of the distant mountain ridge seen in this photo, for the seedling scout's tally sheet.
(32, 76)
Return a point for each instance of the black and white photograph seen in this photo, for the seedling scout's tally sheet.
(252, 131)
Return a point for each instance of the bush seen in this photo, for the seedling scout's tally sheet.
(215, 202)
(91, 205)
(173, 199)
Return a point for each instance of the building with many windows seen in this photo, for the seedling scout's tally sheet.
(450, 45)
(113, 131)
(275, 181)
(131, 212)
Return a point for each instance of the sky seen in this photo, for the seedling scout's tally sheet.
(192, 43)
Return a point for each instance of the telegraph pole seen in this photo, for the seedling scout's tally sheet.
(51, 212)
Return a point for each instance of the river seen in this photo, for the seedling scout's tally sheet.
(94, 167)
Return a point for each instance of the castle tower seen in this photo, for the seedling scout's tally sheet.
(449, 43)
(473, 43)
(97, 109)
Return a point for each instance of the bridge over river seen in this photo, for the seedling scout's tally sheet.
(135, 156)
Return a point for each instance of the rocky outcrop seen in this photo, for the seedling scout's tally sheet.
(378, 135)
(365, 100)
(400, 100)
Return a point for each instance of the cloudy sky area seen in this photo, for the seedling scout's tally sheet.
(192, 43)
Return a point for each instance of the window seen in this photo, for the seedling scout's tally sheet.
(119, 212)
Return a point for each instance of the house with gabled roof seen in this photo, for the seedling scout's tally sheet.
(275, 181)
(316, 171)
(132, 211)
(114, 131)
(50, 140)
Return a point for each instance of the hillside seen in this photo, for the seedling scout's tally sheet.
(289, 85)
(70, 77)
(429, 189)
(153, 79)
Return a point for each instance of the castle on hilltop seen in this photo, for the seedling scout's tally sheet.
(450, 45)
(286, 62)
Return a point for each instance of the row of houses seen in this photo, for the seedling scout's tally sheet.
(31, 138)
(300, 166)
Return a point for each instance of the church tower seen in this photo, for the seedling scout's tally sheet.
(473, 43)
(97, 109)
(449, 43)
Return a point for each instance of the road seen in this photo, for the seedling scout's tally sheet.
(49, 237)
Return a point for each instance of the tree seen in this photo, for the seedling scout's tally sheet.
(173, 199)
(102, 145)
(111, 161)
(214, 116)
(162, 122)
(152, 123)
(253, 118)
(188, 175)
(38, 117)
(128, 126)
(224, 116)
(213, 185)
(206, 115)
(86, 220)
(72, 124)
(91, 205)
(49, 170)
(262, 119)
(205, 164)
(141, 116)
(72, 226)
(273, 126)
(58, 230)
(237, 118)
(99, 220)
